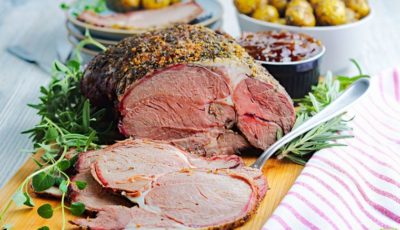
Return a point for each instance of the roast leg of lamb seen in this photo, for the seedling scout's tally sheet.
(192, 87)
(173, 188)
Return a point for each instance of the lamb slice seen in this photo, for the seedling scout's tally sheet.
(93, 196)
(133, 165)
(85, 159)
(145, 19)
(119, 217)
(186, 199)
(257, 176)
(214, 142)
(132, 168)
(203, 199)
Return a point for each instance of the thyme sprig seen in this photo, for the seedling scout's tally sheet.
(326, 135)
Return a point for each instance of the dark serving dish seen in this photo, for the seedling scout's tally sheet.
(296, 77)
(292, 58)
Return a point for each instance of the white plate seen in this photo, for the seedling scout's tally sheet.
(210, 7)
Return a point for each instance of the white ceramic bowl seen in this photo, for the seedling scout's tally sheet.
(342, 42)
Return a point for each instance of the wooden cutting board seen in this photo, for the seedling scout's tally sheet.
(280, 174)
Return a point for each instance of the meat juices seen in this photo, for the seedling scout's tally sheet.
(171, 187)
(192, 87)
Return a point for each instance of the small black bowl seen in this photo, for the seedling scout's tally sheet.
(296, 77)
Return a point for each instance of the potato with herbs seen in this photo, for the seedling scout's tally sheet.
(123, 5)
(280, 5)
(314, 3)
(299, 13)
(266, 13)
(155, 4)
(260, 3)
(361, 7)
(331, 12)
(351, 16)
(281, 21)
(246, 6)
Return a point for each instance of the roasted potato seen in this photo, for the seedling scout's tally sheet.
(175, 1)
(155, 4)
(123, 5)
(299, 13)
(280, 5)
(314, 3)
(246, 6)
(260, 3)
(351, 16)
(266, 13)
(281, 21)
(331, 12)
(361, 7)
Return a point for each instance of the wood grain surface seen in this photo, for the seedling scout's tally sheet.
(280, 174)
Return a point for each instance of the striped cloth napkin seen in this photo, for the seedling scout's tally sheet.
(357, 186)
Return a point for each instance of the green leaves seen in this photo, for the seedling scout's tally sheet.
(51, 134)
(6, 227)
(86, 115)
(45, 211)
(22, 198)
(44, 228)
(63, 186)
(63, 165)
(64, 6)
(326, 135)
(81, 185)
(77, 208)
(19, 198)
(42, 181)
(28, 200)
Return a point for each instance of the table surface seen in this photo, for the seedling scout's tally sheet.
(38, 26)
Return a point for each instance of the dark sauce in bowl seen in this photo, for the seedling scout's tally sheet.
(292, 58)
(280, 46)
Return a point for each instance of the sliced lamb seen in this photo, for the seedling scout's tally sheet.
(119, 217)
(168, 184)
(185, 199)
(132, 165)
(94, 196)
(200, 199)
(183, 12)
(190, 86)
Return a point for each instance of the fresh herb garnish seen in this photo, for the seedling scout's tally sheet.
(44, 228)
(326, 135)
(45, 211)
(77, 208)
(81, 185)
(6, 227)
(69, 125)
(97, 6)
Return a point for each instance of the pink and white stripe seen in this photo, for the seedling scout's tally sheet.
(357, 186)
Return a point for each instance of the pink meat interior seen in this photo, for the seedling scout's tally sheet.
(197, 105)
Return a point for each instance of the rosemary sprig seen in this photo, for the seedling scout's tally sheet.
(326, 135)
